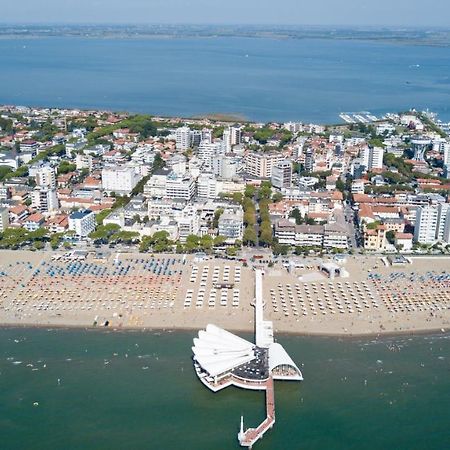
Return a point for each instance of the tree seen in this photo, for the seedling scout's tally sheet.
(104, 232)
(249, 237)
(249, 191)
(249, 217)
(66, 167)
(390, 236)
(141, 124)
(279, 249)
(158, 162)
(206, 242)
(101, 216)
(38, 245)
(127, 237)
(192, 243)
(217, 215)
(219, 240)
(295, 214)
(265, 237)
(277, 197)
(4, 171)
(237, 197)
(265, 190)
(340, 185)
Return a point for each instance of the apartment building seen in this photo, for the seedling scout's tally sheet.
(119, 179)
(4, 219)
(373, 158)
(231, 223)
(46, 177)
(326, 236)
(261, 164)
(82, 222)
(432, 224)
(282, 174)
(44, 199)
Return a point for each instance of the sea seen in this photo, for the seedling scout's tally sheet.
(105, 389)
(260, 79)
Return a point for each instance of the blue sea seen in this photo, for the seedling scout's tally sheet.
(261, 79)
(100, 389)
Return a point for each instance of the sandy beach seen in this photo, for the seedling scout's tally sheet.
(177, 292)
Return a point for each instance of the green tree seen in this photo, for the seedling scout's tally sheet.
(217, 215)
(265, 237)
(265, 190)
(4, 171)
(249, 191)
(102, 215)
(277, 197)
(296, 214)
(219, 241)
(66, 167)
(279, 249)
(237, 197)
(158, 162)
(249, 237)
(390, 236)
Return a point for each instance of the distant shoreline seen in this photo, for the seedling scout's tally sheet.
(434, 37)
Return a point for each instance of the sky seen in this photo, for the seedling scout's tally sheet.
(411, 13)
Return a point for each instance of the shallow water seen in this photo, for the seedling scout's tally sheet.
(131, 389)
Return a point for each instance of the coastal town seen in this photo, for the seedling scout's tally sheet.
(77, 179)
(111, 219)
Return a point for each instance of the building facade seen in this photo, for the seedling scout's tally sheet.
(82, 222)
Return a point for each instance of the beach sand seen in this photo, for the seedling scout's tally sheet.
(131, 290)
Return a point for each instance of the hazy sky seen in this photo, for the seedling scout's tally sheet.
(302, 12)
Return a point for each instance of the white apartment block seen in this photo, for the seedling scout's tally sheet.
(188, 223)
(231, 223)
(120, 180)
(446, 149)
(282, 174)
(82, 222)
(225, 166)
(206, 135)
(328, 236)
(206, 152)
(83, 161)
(46, 177)
(207, 186)
(177, 164)
(226, 141)
(373, 158)
(182, 187)
(183, 138)
(72, 147)
(4, 219)
(44, 199)
(443, 223)
(235, 132)
(260, 164)
(432, 224)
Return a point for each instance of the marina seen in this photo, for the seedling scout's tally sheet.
(359, 117)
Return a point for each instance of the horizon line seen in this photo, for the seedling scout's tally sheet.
(230, 24)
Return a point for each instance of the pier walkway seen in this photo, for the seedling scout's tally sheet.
(252, 435)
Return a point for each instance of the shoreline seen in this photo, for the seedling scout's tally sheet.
(102, 329)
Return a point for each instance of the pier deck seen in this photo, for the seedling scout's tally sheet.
(252, 435)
